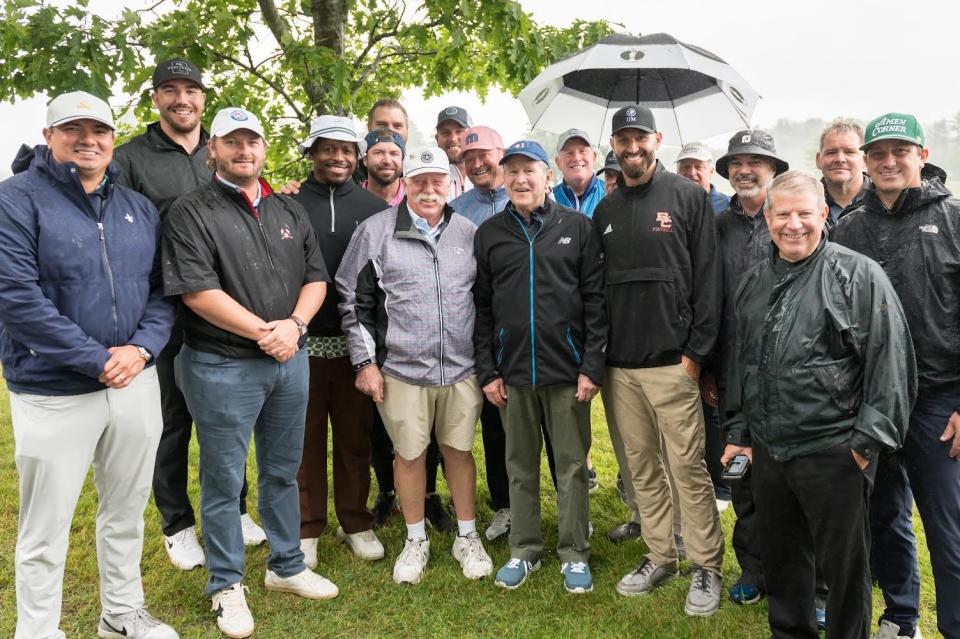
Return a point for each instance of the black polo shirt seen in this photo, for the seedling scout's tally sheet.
(214, 238)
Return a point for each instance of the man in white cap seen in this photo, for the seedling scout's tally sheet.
(695, 162)
(580, 188)
(405, 285)
(335, 205)
(246, 264)
(83, 317)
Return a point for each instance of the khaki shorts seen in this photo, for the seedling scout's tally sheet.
(409, 412)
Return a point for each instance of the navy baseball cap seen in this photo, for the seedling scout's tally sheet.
(386, 136)
(527, 148)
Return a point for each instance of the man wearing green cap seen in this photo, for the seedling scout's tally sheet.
(911, 227)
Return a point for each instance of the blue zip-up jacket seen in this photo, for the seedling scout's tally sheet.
(479, 205)
(719, 201)
(73, 282)
(587, 202)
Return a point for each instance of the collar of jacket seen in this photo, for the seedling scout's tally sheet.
(64, 175)
(911, 199)
(160, 141)
(404, 223)
(339, 190)
(738, 211)
(488, 195)
(782, 267)
(240, 197)
(641, 188)
(543, 211)
(856, 199)
(594, 184)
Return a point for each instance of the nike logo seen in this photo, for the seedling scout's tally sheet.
(120, 631)
(169, 543)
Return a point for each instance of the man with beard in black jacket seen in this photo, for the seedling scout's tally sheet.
(336, 206)
(166, 161)
(911, 227)
(659, 239)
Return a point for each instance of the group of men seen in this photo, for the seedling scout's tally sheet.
(404, 294)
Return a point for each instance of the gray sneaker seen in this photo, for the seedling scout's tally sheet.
(703, 598)
(624, 532)
(645, 578)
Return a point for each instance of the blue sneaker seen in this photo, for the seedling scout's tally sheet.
(742, 594)
(577, 577)
(821, 619)
(514, 573)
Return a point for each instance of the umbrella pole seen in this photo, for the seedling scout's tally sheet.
(638, 87)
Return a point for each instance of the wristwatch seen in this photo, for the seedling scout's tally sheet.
(145, 354)
(301, 326)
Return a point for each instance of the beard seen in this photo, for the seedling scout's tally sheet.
(178, 126)
(748, 191)
(383, 178)
(636, 171)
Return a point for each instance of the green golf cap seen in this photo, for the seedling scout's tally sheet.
(893, 126)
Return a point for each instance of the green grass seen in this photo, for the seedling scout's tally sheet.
(371, 605)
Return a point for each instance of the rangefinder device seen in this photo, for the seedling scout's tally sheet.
(736, 469)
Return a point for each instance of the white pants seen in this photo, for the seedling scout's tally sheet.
(57, 437)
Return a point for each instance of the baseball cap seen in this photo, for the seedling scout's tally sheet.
(633, 117)
(432, 159)
(457, 114)
(231, 119)
(893, 126)
(333, 127)
(527, 148)
(384, 136)
(695, 151)
(481, 138)
(751, 142)
(78, 105)
(177, 69)
(610, 164)
(570, 134)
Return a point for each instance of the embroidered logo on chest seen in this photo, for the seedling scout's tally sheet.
(929, 228)
(665, 223)
(285, 234)
(564, 240)
(128, 217)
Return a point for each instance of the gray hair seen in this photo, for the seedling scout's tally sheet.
(842, 125)
(795, 182)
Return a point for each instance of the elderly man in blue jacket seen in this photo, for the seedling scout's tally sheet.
(82, 317)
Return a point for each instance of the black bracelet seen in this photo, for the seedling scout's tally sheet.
(363, 364)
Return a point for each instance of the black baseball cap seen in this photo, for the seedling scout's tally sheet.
(633, 116)
(177, 69)
(610, 164)
(457, 114)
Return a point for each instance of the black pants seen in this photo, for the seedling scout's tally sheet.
(814, 510)
(381, 457)
(494, 456)
(170, 471)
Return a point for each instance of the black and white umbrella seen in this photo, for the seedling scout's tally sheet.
(693, 93)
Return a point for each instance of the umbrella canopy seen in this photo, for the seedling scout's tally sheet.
(693, 93)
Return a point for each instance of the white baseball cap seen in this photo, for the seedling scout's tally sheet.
(695, 151)
(432, 159)
(78, 105)
(232, 118)
(334, 127)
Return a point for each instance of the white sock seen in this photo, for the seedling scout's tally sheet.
(466, 527)
(417, 530)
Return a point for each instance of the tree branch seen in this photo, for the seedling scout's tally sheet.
(254, 71)
(275, 22)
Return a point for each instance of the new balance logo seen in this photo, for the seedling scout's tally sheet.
(609, 229)
(564, 240)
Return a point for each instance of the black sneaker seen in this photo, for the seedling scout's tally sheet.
(385, 506)
(437, 515)
(624, 532)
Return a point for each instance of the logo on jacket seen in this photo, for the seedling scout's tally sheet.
(666, 223)
(929, 228)
(285, 234)
(609, 229)
(564, 240)
(128, 218)
(458, 250)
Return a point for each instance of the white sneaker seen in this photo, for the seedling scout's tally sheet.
(184, 550)
(138, 624)
(307, 584)
(722, 505)
(412, 561)
(233, 615)
(890, 630)
(473, 558)
(364, 545)
(309, 549)
(253, 534)
(499, 526)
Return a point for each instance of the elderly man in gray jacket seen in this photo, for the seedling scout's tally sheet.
(405, 286)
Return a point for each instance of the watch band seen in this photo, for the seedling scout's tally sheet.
(145, 354)
(301, 325)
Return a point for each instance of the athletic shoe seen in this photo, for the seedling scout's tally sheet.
(645, 578)
(138, 624)
(307, 584)
(890, 630)
(384, 508)
(437, 515)
(576, 577)
(474, 560)
(412, 561)
(233, 615)
(592, 482)
(308, 547)
(253, 534)
(742, 593)
(624, 532)
(515, 572)
(499, 526)
(184, 550)
(364, 544)
(703, 598)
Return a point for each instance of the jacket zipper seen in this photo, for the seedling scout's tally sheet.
(576, 354)
(113, 290)
(436, 270)
(533, 343)
(333, 213)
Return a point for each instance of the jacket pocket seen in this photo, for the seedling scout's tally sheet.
(841, 380)
(501, 345)
(650, 294)
(573, 347)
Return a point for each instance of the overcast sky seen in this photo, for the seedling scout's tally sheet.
(811, 58)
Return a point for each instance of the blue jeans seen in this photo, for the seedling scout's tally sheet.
(923, 466)
(230, 399)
